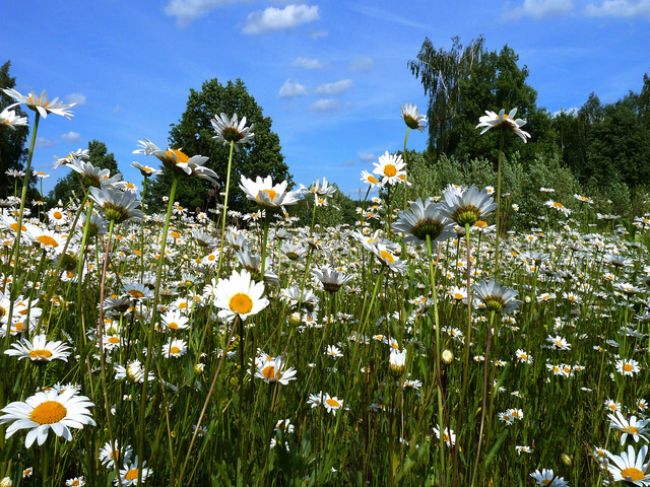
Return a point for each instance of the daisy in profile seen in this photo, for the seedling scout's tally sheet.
(9, 118)
(267, 194)
(413, 118)
(130, 472)
(632, 427)
(547, 478)
(109, 454)
(174, 348)
(422, 220)
(370, 179)
(467, 206)
(332, 403)
(232, 129)
(39, 350)
(145, 171)
(390, 168)
(117, 205)
(45, 411)
(495, 297)
(239, 296)
(448, 436)
(177, 161)
(40, 103)
(504, 120)
(45, 239)
(76, 482)
(272, 369)
(330, 278)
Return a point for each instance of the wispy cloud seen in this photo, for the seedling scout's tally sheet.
(362, 64)
(291, 89)
(307, 63)
(620, 8)
(78, 98)
(385, 15)
(44, 143)
(187, 11)
(325, 105)
(539, 9)
(273, 19)
(335, 88)
(71, 136)
(366, 156)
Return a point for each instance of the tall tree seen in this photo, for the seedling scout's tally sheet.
(12, 142)
(69, 186)
(462, 83)
(194, 134)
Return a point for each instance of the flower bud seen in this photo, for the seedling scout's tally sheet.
(447, 356)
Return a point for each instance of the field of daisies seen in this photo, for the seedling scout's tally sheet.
(424, 345)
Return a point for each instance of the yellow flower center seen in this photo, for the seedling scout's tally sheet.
(632, 473)
(14, 227)
(57, 215)
(628, 367)
(48, 412)
(173, 325)
(134, 293)
(47, 241)
(269, 192)
(387, 256)
(268, 372)
(372, 179)
(241, 304)
(333, 403)
(174, 350)
(630, 430)
(557, 204)
(40, 354)
(390, 170)
(177, 155)
(132, 474)
(114, 340)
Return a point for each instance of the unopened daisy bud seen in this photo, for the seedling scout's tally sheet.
(447, 356)
(199, 368)
(566, 459)
(295, 319)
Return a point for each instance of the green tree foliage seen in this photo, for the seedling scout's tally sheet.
(70, 187)
(12, 142)
(462, 83)
(194, 134)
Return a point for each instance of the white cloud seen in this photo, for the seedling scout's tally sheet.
(620, 8)
(541, 8)
(186, 11)
(43, 142)
(366, 156)
(273, 19)
(319, 34)
(362, 64)
(573, 111)
(78, 98)
(307, 63)
(386, 16)
(335, 88)
(291, 89)
(325, 105)
(71, 136)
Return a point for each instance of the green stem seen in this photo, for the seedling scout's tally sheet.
(497, 252)
(150, 330)
(224, 215)
(23, 198)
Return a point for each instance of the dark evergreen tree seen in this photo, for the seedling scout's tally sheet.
(70, 185)
(12, 142)
(194, 134)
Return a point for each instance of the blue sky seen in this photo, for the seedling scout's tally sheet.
(332, 75)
